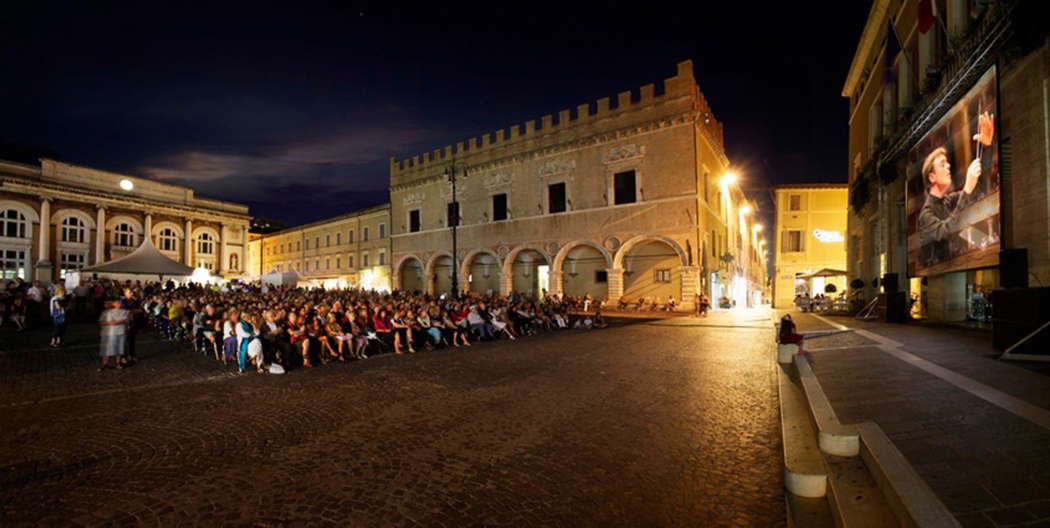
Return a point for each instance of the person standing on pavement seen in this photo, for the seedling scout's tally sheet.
(113, 321)
(135, 314)
(57, 307)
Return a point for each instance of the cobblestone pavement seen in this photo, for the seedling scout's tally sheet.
(989, 466)
(669, 423)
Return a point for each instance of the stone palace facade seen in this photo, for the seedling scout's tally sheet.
(57, 217)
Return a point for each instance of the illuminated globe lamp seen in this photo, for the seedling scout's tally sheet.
(127, 184)
(728, 179)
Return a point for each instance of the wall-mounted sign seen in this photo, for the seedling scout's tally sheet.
(828, 236)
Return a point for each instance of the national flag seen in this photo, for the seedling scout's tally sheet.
(927, 15)
(893, 47)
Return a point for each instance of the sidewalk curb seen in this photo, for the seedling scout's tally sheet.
(835, 438)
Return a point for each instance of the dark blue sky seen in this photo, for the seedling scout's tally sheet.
(296, 110)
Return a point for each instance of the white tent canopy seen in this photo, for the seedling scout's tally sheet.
(145, 260)
(277, 278)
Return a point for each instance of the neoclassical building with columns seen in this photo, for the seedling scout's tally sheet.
(57, 217)
(612, 198)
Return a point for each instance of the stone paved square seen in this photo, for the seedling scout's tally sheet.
(667, 423)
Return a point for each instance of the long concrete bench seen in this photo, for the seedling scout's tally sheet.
(804, 471)
(833, 437)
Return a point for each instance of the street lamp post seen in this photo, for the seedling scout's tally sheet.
(450, 174)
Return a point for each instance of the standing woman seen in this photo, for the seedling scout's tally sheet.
(113, 321)
(58, 316)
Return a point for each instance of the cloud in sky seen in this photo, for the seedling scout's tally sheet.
(346, 158)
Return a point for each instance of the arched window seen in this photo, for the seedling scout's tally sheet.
(233, 261)
(167, 239)
(124, 235)
(205, 244)
(73, 230)
(13, 223)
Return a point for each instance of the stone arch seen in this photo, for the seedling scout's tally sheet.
(559, 259)
(508, 262)
(429, 271)
(399, 284)
(466, 267)
(630, 244)
(197, 231)
(160, 226)
(27, 211)
(114, 221)
(58, 216)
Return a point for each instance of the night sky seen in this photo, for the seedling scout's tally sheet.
(295, 111)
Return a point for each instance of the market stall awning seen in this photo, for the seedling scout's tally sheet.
(825, 272)
(146, 260)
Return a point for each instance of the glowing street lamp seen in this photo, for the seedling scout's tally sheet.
(745, 210)
(757, 228)
(127, 184)
(728, 179)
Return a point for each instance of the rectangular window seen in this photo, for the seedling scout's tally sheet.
(663, 275)
(382, 231)
(350, 237)
(337, 262)
(601, 276)
(317, 264)
(795, 202)
(364, 234)
(623, 188)
(452, 214)
(327, 264)
(364, 260)
(71, 262)
(298, 245)
(350, 261)
(556, 198)
(338, 240)
(792, 241)
(499, 207)
(317, 243)
(307, 244)
(12, 264)
(413, 221)
(327, 240)
(382, 258)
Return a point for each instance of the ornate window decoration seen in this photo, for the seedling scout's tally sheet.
(74, 230)
(168, 240)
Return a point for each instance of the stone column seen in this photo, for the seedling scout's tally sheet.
(506, 283)
(100, 235)
(148, 227)
(554, 278)
(690, 277)
(43, 261)
(224, 267)
(245, 253)
(187, 257)
(615, 284)
(44, 252)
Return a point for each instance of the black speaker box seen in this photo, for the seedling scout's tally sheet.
(1016, 313)
(889, 282)
(1013, 268)
(896, 306)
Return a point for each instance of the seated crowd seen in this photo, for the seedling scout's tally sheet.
(271, 329)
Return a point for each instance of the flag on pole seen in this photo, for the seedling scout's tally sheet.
(893, 47)
(927, 15)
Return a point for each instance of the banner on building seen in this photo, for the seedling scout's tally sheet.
(953, 187)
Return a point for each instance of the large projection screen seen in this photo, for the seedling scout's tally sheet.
(953, 187)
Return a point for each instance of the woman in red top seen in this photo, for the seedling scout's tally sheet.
(384, 330)
(297, 333)
(789, 335)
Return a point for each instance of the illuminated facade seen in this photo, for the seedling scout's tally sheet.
(350, 250)
(811, 228)
(57, 217)
(948, 47)
(611, 201)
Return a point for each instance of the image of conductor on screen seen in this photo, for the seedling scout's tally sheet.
(939, 216)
